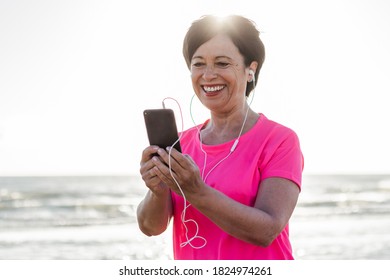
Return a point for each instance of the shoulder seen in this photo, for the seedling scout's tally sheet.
(274, 131)
(281, 155)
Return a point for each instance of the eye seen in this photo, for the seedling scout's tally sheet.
(222, 64)
(197, 64)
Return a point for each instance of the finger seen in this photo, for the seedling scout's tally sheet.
(163, 175)
(163, 170)
(148, 153)
(148, 175)
(189, 171)
(174, 153)
(159, 162)
(146, 162)
(146, 166)
(169, 160)
(183, 160)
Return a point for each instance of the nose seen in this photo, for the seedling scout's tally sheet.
(209, 73)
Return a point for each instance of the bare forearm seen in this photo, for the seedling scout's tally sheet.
(154, 213)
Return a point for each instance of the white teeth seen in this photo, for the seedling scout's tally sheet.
(215, 88)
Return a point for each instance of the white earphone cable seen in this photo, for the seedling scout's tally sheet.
(234, 144)
(185, 207)
(204, 178)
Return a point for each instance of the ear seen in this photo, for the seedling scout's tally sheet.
(252, 71)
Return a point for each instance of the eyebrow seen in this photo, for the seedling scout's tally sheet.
(217, 57)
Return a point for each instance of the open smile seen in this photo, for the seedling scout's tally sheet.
(213, 89)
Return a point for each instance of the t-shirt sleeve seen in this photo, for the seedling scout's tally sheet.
(283, 158)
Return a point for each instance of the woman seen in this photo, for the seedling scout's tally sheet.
(240, 173)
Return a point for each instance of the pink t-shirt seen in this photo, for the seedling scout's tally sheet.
(267, 150)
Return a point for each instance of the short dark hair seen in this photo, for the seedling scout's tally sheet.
(242, 32)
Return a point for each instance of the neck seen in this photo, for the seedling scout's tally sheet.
(224, 127)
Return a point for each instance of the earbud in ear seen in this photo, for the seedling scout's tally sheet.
(252, 73)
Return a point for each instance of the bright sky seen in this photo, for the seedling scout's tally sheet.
(75, 77)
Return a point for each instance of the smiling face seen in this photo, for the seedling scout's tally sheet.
(219, 76)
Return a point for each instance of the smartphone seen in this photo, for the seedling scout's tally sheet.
(161, 128)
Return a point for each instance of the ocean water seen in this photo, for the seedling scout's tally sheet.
(80, 218)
